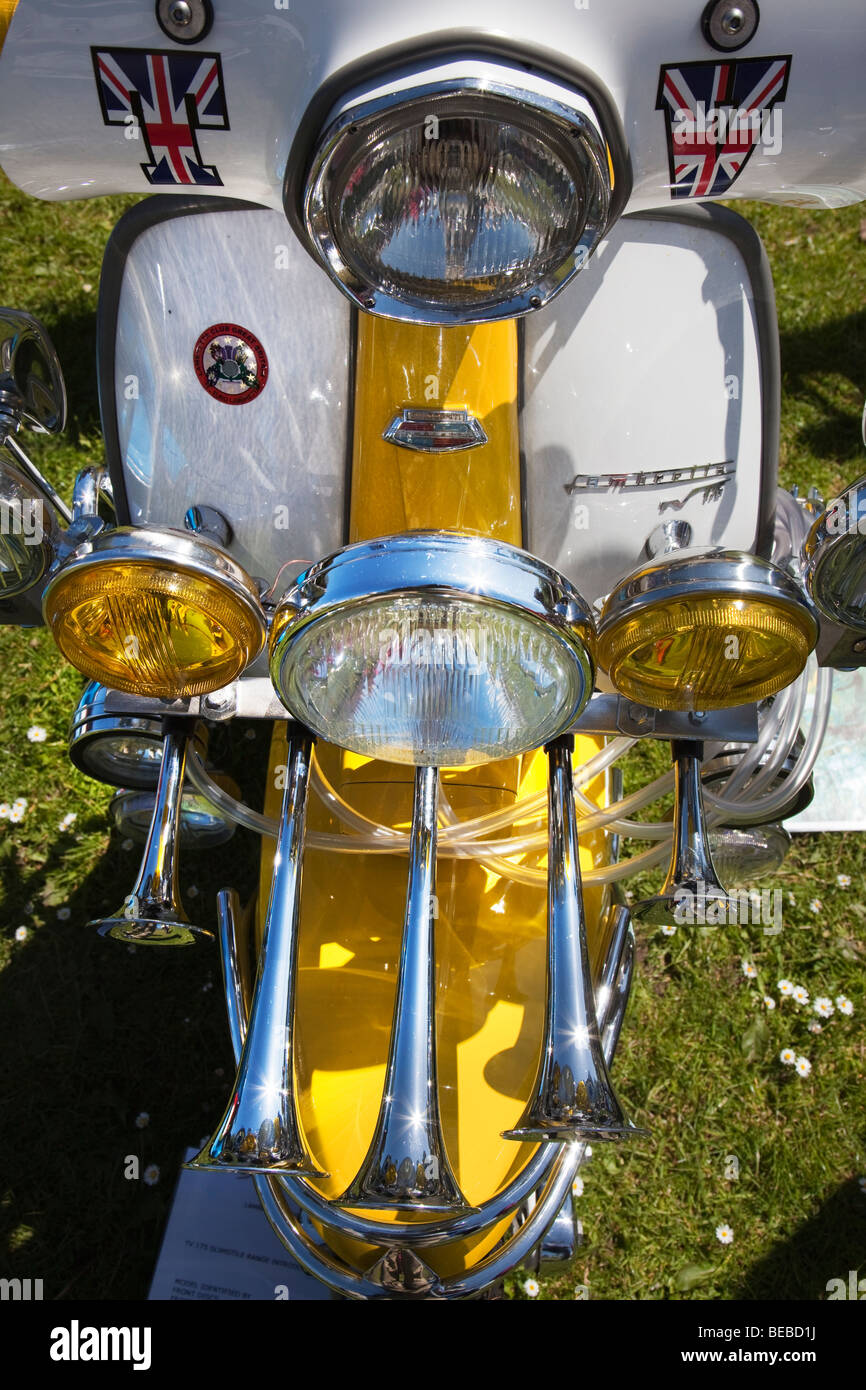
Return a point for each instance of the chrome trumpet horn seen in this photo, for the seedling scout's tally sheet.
(406, 1167)
(573, 1097)
(692, 891)
(152, 914)
(260, 1131)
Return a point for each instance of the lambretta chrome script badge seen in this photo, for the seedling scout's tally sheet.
(435, 431)
(707, 475)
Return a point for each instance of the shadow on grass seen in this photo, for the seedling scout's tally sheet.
(93, 1035)
(837, 348)
(826, 1246)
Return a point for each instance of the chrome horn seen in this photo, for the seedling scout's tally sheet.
(259, 1131)
(152, 914)
(406, 1167)
(692, 891)
(573, 1097)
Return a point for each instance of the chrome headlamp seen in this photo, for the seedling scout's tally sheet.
(462, 200)
(123, 750)
(433, 648)
(705, 631)
(834, 554)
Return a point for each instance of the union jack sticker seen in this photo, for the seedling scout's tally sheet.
(166, 96)
(716, 116)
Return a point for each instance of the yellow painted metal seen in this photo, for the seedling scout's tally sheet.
(491, 931)
(7, 10)
(406, 365)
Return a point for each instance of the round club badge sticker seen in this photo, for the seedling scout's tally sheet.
(230, 363)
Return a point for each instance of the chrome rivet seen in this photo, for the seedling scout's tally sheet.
(727, 26)
(179, 12)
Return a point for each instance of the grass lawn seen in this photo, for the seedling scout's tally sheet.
(92, 1037)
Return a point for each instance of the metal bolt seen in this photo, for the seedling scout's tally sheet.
(859, 646)
(697, 716)
(179, 12)
(731, 21)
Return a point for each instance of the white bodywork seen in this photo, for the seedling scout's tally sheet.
(275, 55)
(274, 466)
(649, 362)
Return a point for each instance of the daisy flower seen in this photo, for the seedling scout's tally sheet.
(142, 1120)
(69, 819)
(816, 905)
(21, 934)
(803, 1065)
(20, 803)
(801, 994)
(791, 899)
(724, 1233)
(36, 733)
(749, 970)
(530, 1288)
(151, 1174)
(587, 1151)
(126, 844)
(788, 1056)
(843, 880)
(769, 1001)
(785, 988)
(16, 814)
(192, 891)
(815, 1026)
(64, 914)
(823, 1007)
(5, 808)
(844, 1005)
(669, 930)
(577, 1187)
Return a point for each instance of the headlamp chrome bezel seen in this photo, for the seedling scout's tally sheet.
(578, 137)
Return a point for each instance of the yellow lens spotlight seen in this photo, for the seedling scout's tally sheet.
(153, 612)
(705, 632)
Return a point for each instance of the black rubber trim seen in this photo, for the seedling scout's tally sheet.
(350, 423)
(521, 452)
(430, 49)
(732, 225)
(161, 207)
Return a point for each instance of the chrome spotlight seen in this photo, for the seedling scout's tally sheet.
(120, 749)
(200, 825)
(834, 555)
(433, 648)
(705, 631)
(29, 533)
(154, 612)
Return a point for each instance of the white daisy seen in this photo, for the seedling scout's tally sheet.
(577, 1187)
(587, 1151)
(142, 1120)
(126, 844)
(192, 891)
(823, 1006)
(151, 1174)
(844, 1005)
(815, 1027)
(21, 803)
(843, 880)
(816, 905)
(5, 808)
(530, 1288)
(21, 934)
(724, 1233)
(749, 970)
(16, 814)
(68, 820)
(788, 1056)
(769, 1001)
(36, 733)
(791, 899)
(64, 914)
(801, 994)
(803, 1065)
(669, 930)
(785, 988)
